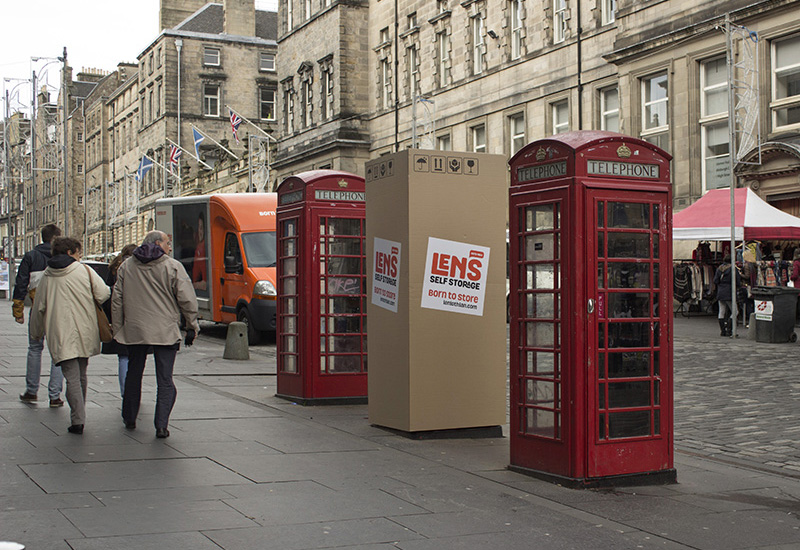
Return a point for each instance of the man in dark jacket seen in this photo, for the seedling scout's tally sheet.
(723, 278)
(28, 276)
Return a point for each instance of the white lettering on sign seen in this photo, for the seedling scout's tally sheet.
(385, 274)
(625, 169)
(266, 213)
(455, 277)
(542, 171)
(331, 195)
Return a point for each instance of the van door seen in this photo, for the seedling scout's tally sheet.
(233, 283)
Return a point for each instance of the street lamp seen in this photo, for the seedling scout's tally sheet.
(6, 162)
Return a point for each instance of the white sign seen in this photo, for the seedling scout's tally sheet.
(455, 277)
(4, 276)
(763, 310)
(385, 273)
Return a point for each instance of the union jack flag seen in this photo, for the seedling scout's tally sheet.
(236, 121)
(174, 156)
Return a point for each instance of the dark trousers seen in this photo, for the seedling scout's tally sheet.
(166, 394)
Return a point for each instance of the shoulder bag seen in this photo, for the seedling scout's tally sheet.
(103, 326)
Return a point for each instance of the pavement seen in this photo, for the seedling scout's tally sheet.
(243, 469)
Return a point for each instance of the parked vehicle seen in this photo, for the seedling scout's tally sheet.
(226, 242)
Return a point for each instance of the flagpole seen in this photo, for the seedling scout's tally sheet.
(215, 141)
(189, 153)
(158, 164)
(250, 123)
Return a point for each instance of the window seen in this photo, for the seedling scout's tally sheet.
(411, 21)
(384, 36)
(289, 15)
(786, 83)
(608, 9)
(655, 105)
(150, 110)
(150, 63)
(714, 123)
(441, 6)
(559, 20)
(158, 57)
(413, 73)
(267, 104)
(267, 62)
(443, 143)
(158, 101)
(80, 169)
(210, 57)
(386, 84)
(516, 28)
(477, 44)
(443, 52)
(211, 99)
(516, 127)
(326, 78)
(560, 117)
(308, 95)
(79, 137)
(288, 110)
(479, 138)
(609, 109)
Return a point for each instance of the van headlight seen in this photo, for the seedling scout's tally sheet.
(264, 289)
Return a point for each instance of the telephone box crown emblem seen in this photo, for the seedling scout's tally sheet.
(342, 183)
(291, 185)
(624, 152)
(541, 154)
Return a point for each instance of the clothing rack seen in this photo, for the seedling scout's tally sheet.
(693, 287)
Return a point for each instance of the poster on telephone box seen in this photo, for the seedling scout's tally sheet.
(385, 273)
(455, 276)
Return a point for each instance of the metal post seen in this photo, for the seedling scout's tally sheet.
(6, 178)
(250, 163)
(732, 164)
(34, 224)
(179, 45)
(65, 94)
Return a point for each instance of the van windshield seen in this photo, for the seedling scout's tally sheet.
(259, 248)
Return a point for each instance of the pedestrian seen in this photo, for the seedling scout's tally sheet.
(795, 278)
(28, 276)
(113, 347)
(64, 310)
(723, 279)
(152, 291)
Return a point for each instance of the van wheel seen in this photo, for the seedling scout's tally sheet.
(253, 336)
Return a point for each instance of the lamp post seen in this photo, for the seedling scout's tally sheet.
(7, 160)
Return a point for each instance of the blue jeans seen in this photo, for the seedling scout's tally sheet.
(34, 371)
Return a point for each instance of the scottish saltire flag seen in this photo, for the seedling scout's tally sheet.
(198, 139)
(144, 167)
(174, 156)
(236, 121)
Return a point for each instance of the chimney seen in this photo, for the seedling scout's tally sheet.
(239, 17)
(173, 12)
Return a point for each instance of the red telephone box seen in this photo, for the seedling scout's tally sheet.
(591, 318)
(322, 313)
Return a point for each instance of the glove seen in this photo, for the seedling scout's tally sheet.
(190, 334)
(18, 309)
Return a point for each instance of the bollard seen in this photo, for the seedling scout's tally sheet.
(236, 344)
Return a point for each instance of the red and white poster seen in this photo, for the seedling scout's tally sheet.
(455, 276)
(385, 273)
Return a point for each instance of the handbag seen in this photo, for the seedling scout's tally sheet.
(103, 326)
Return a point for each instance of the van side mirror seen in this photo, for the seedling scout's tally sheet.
(232, 266)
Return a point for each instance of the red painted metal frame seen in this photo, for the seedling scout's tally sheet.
(299, 201)
(555, 170)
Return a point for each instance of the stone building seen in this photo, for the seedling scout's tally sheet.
(15, 165)
(496, 75)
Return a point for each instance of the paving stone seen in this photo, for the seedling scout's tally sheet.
(195, 541)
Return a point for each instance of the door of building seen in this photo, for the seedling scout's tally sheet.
(629, 393)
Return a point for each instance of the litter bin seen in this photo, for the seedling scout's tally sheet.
(775, 313)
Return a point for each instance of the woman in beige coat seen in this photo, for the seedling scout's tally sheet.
(64, 310)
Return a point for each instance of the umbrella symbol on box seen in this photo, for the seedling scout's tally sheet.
(422, 164)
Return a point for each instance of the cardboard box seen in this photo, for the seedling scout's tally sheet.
(436, 250)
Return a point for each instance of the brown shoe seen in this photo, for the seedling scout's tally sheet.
(57, 402)
(28, 397)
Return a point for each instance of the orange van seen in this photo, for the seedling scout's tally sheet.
(226, 242)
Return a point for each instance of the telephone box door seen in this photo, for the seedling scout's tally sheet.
(629, 378)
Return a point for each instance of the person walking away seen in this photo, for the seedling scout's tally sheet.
(113, 347)
(28, 276)
(795, 278)
(64, 310)
(723, 279)
(152, 291)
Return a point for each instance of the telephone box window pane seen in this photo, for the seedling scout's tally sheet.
(629, 215)
(344, 363)
(344, 247)
(289, 324)
(289, 344)
(656, 280)
(628, 424)
(539, 247)
(540, 392)
(656, 334)
(629, 335)
(541, 363)
(628, 245)
(344, 305)
(344, 344)
(289, 266)
(338, 226)
(601, 335)
(289, 247)
(289, 306)
(655, 246)
(628, 304)
(602, 426)
(655, 217)
(290, 285)
(601, 214)
(601, 365)
(541, 306)
(289, 228)
(344, 266)
(344, 325)
(601, 246)
(344, 285)
(656, 367)
(601, 396)
(540, 218)
(629, 364)
(541, 335)
(656, 423)
(656, 392)
(289, 363)
(622, 395)
(655, 306)
(601, 270)
(541, 422)
(628, 275)
(540, 276)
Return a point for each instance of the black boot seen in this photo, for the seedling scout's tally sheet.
(722, 327)
(728, 327)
